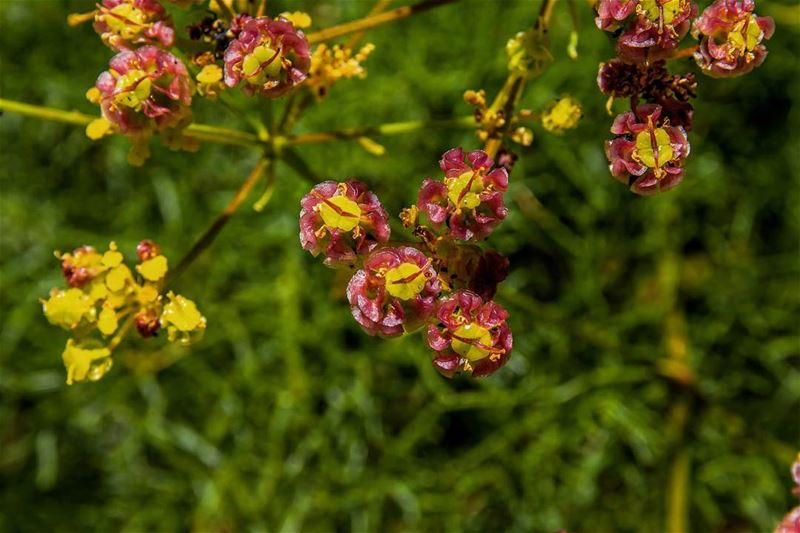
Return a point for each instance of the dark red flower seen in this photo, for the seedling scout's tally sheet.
(342, 220)
(470, 198)
(648, 153)
(731, 38)
(145, 89)
(395, 291)
(472, 335)
(269, 55)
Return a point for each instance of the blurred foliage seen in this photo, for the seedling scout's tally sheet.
(656, 339)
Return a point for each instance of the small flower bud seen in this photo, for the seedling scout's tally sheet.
(147, 250)
(147, 323)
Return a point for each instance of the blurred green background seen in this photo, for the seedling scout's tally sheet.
(656, 367)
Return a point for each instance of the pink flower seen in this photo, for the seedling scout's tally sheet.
(651, 28)
(343, 220)
(395, 291)
(145, 89)
(471, 336)
(126, 24)
(648, 153)
(731, 38)
(270, 56)
(470, 198)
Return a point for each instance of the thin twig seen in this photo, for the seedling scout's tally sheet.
(373, 21)
(211, 233)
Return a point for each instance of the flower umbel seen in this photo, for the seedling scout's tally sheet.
(331, 64)
(471, 335)
(343, 220)
(103, 293)
(648, 153)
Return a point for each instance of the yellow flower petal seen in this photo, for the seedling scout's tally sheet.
(107, 321)
(78, 362)
(210, 74)
(298, 18)
(147, 294)
(94, 95)
(112, 257)
(153, 269)
(67, 308)
(117, 277)
(182, 314)
(98, 128)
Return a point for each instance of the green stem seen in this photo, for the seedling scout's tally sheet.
(677, 497)
(211, 233)
(392, 128)
(373, 21)
(202, 132)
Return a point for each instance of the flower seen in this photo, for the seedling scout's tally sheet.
(651, 28)
(330, 64)
(85, 363)
(343, 220)
(209, 81)
(648, 153)
(731, 38)
(180, 317)
(394, 292)
(126, 24)
(471, 336)
(563, 114)
(470, 198)
(145, 89)
(80, 266)
(270, 56)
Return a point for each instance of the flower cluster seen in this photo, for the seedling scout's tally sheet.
(331, 64)
(649, 32)
(791, 522)
(443, 282)
(101, 292)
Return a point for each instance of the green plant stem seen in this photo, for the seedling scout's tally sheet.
(677, 495)
(216, 226)
(392, 128)
(379, 7)
(372, 21)
(201, 132)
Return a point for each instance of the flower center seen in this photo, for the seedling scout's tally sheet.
(463, 190)
(746, 34)
(472, 341)
(660, 10)
(261, 64)
(405, 281)
(132, 89)
(122, 17)
(653, 147)
(340, 212)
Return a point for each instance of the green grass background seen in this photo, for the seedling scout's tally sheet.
(286, 417)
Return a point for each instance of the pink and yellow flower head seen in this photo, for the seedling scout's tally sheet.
(342, 220)
(268, 56)
(651, 29)
(145, 89)
(394, 292)
(471, 336)
(126, 24)
(469, 199)
(731, 38)
(648, 153)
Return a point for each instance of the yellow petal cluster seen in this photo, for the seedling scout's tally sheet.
(563, 114)
(330, 64)
(106, 298)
